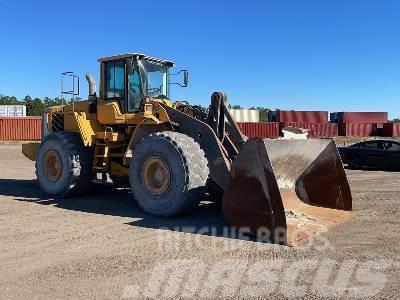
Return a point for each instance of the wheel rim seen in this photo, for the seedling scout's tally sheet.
(156, 175)
(52, 165)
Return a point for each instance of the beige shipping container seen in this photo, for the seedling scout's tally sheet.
(245, 115)
(12, 110)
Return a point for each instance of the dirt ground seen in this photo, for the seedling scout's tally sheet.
(103, 246)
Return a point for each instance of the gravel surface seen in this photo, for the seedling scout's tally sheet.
(103, 246)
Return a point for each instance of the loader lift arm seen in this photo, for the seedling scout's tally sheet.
(220, 137)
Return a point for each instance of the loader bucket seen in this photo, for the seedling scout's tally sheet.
(287, 190)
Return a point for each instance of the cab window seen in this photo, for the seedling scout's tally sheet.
(115, 81)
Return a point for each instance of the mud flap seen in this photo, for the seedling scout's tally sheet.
(297, 187)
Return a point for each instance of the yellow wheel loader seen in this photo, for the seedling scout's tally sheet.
(172, 155)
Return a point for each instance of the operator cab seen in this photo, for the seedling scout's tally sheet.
(130, 78)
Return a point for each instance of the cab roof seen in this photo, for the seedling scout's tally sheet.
(137, 56)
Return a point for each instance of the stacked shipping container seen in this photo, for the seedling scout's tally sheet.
(342, 123)
(315, 121)
(360, 123)
(301, 116)
(359, 117)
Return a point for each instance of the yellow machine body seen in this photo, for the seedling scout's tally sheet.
(272, 185)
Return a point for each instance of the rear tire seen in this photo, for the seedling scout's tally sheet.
(64, 165)
(168, 173)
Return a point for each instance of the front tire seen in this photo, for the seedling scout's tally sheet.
(168, 173)
(64, 165)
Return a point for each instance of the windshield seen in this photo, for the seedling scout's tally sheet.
(154, 79)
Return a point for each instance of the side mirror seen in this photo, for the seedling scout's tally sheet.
(185, 78)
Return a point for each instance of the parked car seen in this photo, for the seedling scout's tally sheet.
(377, 154)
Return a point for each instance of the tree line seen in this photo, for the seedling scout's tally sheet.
(35, 106)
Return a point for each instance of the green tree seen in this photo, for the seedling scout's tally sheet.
(28, 102)
(34, 107)
(263, 113)
(7, 100)
(48, 102)
(3, 100)
(396, 120)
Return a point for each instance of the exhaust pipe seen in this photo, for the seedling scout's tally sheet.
(92, 97)
(92, 85)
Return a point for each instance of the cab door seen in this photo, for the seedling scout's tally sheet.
(112, 107)
(114, 83)
(135, 91)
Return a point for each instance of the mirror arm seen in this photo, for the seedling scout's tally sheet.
(177, 83)
(185, 78)
(173, 74)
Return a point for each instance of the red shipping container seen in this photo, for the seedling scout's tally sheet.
(261, 130)
(377, 129)
(20, 128)
(391, 129)
(356, 129)
(316, 129)
(302, 116)
(362, 117)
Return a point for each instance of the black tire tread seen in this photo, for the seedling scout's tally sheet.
(195, 164)
(81, 169)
